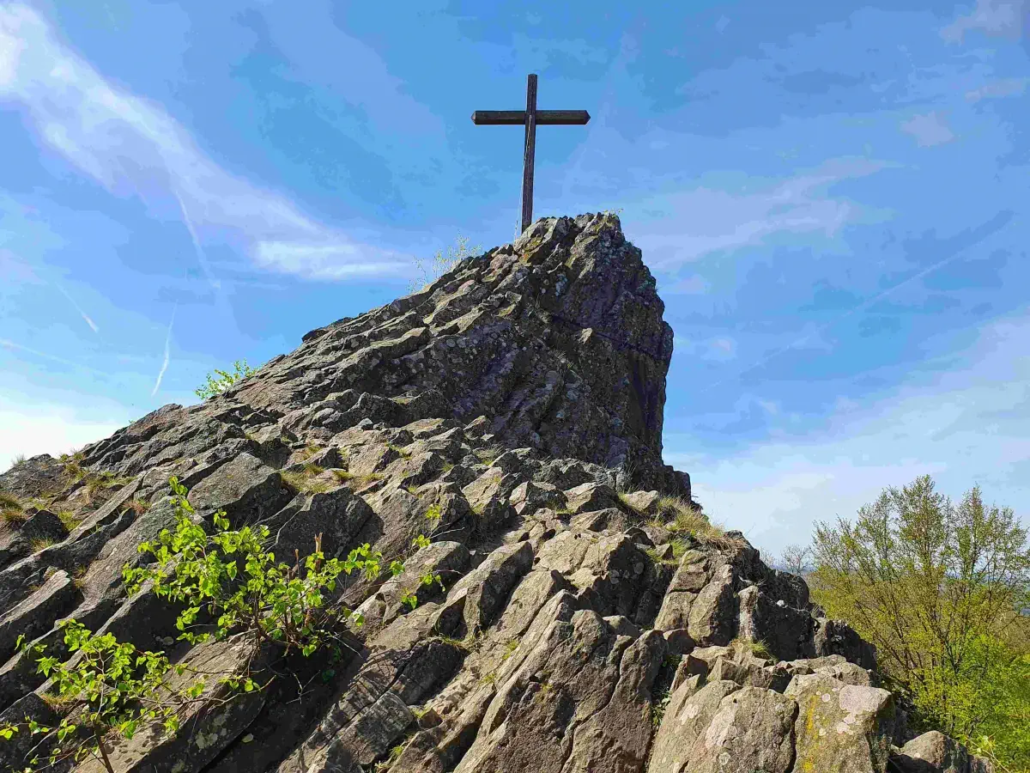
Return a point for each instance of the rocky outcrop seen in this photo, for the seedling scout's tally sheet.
(579, 619)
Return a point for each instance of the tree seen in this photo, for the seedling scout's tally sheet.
(105, 686)
(940, 590)
(441, 263)
(220, 380)
(796, 559)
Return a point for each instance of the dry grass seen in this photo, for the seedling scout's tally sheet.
(679, 516)
(399, 451)
(625, 501)
(12, 510)
(308, 451)
(303, 482)
(342, 475)
(9, 501)
(59, 703)
(756, 648)
(137, 505)
(101, 481)
(16, 461)
(41, 544)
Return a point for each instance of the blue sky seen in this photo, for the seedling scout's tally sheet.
(832, 196)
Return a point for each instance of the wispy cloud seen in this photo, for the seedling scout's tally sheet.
(1002, 18)
(167, 357)
(133, 147)
(998, 89)
(12, 346)
(928, 129)
(863, 306)
(691, 224)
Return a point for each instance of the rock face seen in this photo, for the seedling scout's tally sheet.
(512, 410)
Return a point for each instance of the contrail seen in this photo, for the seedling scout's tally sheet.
(8, 344)
(168, 346)
(201, 255)
(860, 307)
(78, 308)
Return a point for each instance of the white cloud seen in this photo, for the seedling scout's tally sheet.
(721, 348)
(963, 427)
(691, 285)
(132, 147)
(928, 129)
(1002, 18)
(697, 222)
(998, 89)
(32, 429)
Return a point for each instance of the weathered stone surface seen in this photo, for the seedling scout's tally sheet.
(532, 723)
(689, 713)
(589, 497)
(36, 614)
(487, 588)
(786, 632)
(36, 477)
(643, 502)
(932, 752)
(753, 729)
(713, 614)
(841, 727)
(246, 488)
(835, 637)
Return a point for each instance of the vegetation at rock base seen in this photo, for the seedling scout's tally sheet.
(12, 512)
(220, 380)
(105, 686)
(230, 577)
(441, 263)
(942, 590)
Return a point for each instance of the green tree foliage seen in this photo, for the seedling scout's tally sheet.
(430, 271)
(229, 577)
(220, 380)
(105, 686)
(942, 591)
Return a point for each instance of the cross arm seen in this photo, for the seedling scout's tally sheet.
(518, 117)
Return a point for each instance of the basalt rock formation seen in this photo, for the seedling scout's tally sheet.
(587, 618)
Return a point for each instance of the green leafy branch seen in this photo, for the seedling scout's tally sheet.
(110, 685)
(220, 380)
(229, 577)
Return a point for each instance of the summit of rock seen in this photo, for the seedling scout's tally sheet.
(557, 341)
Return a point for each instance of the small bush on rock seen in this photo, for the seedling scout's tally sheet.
(106, 686)
(229, 577)
(220, 380)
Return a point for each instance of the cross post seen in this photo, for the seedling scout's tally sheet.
(530, 118)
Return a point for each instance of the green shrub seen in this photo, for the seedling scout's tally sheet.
(229, 577)
(108, 686)
(220, 380)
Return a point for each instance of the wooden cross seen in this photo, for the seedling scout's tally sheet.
(531, 118)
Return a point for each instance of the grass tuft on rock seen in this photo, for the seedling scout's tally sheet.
(12, 511)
